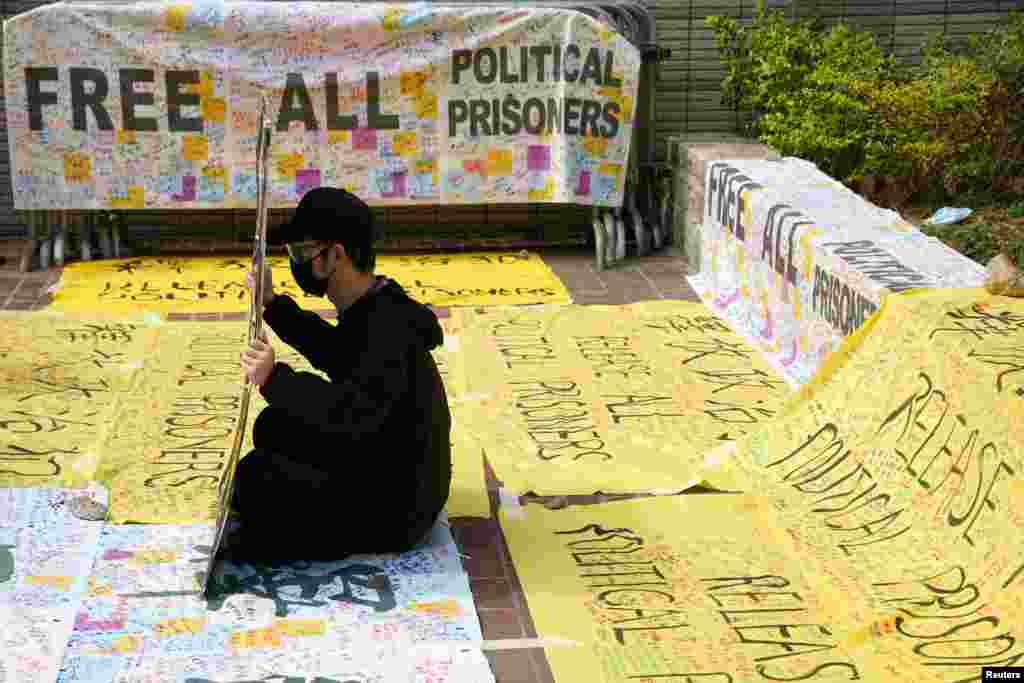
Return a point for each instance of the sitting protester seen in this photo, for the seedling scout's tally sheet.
(359, 462)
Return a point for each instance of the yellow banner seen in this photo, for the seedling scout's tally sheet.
(169, 448)
(699, 589)
(150, 411)
(579, 399)
(900, 471)
(60, 381)
(911, 438)
(217, 285)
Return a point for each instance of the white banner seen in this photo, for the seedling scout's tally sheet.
(154, 105)
(796, 261)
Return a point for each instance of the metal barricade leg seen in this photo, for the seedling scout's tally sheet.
(115, 238)
(620, 235)
(85, 235)
(600, 240)
(46, 244)
(29, 253)
(609, 229)
(103, 232)
(640, 232)
(60, 239)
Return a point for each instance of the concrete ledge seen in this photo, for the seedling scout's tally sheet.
(689, 157)
(795, 261)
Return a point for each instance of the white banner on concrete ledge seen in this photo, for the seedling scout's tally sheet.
(153, 105)
(796, 261)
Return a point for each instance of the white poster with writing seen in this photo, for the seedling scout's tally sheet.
(796, 261)
(132, 105)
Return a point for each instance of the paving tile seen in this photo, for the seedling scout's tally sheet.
(492, 593)
(483, 560)
(177, 317)
(500, 624)
(512, 666)
(475, 534)
(574, 281)
(541, 669)
(19, 306)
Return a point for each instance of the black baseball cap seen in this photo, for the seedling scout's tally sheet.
(328, 214)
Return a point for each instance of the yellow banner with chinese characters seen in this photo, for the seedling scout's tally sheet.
(217, 285)
(60, 381)
(148, 410)
(583, 399)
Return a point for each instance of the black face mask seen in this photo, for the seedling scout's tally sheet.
(306, 280)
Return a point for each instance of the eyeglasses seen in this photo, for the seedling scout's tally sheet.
(299, 252)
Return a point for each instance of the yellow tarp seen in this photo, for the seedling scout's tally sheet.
(468, 496)
(150, 411)
(578, 399)
(683, 588)
(211, 284)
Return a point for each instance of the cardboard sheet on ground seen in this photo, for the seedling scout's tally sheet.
(213, 285)
(899, 471)
(683, 588)
(579, 399)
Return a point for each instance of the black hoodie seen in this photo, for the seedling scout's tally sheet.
(384, 413)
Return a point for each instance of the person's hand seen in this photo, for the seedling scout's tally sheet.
(258, 361)
(268, 284)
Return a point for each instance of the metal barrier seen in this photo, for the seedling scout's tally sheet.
(647, 203)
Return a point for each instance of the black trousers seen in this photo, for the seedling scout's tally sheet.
(303, 497)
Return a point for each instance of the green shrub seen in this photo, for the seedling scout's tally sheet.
(981, 241)
(796, 79)
(950, 126)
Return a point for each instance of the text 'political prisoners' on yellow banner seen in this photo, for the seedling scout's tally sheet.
(217, 285)
(150, 411)
(579, 399)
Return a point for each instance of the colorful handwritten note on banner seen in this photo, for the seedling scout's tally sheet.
(210, 284)
(153, 105)
(900, 470)
(579, 399)
(795, 261)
